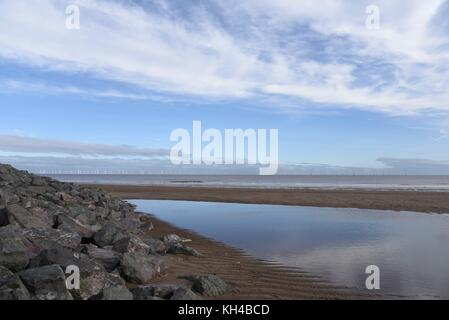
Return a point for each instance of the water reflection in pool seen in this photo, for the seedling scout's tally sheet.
(411, 249)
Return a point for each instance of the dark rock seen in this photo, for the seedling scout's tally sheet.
(116, 293)
(7, 197)
(109, 234)
(185, 294)
(163, 291)
(56, 254)
(11, 287)
(210, 285)
(4, 219)
(109, 258)
(13, 249)
(114, 279)
(46, 283)
(70, 224)
(139, 268)
(24, 218)
(173, 238)
(131, 244)
(179, 248)
(156, 246)
(146, 223)
(45, 237)
(38, 181)
(92, 273)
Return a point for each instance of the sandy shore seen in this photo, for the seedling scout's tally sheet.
(435, 202)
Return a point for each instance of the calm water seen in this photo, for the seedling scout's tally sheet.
(279, 181)
(411, 249)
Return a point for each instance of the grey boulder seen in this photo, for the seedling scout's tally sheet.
(46, 237)
(209, 285)
(185, 294)
(11, 287)
(46, 283)
(180, 248)
(117, 293)
(13, 249)
(109, 258)
(109, 234)
(139, 268)
(163, 291)
(131, 244)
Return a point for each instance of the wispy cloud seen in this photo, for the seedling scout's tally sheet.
(25, 144)
(313, 51)
(413, 166)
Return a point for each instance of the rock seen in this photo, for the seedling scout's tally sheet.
(163, 291)
(47, 226)
(38, 181)
(70, 224)
(24, 218)
(173, 238)
(139, 268)
(47, 215)
(185, 294)
(13, 249)
(156, 246)
(179, 248)
(116, 293)
(82, 214)
(109, 258)
(64, 196)
(210, 285)
(56, 254)
(175, 244)
(93, 279)
(45, 237)
(46, 283)
(28, 204)
(92, 274)
(11, 287)
(7, 197)
(146, 223)
(4, 219)
(114, 279)
(109, 234)
(131, 244)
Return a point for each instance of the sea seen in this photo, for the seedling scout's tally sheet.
(378, 182)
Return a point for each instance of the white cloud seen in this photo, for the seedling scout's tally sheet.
(313, 50)
(25, 144)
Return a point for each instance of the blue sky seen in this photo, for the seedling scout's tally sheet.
(109, 94)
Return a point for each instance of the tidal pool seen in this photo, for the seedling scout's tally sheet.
(411, 249)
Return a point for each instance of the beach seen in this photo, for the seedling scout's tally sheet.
(257, 279)
(395, 200)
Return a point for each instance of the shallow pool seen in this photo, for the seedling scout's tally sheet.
(411, 249)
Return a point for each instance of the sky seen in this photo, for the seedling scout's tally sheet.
(347, 94)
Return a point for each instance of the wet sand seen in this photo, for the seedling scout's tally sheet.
(428, 202)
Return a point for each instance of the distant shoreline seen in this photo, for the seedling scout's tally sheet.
(395, 200)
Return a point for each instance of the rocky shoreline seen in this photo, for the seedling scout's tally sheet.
(61, 241)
